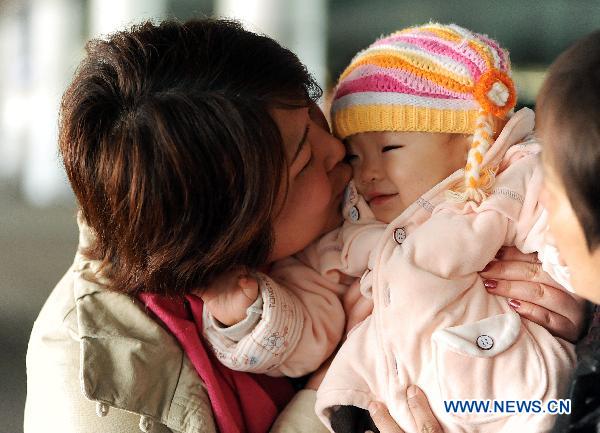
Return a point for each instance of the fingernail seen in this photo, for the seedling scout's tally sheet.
(411, 391)
(373, 408)
(490, 284)
(514, 303)
(500, 253)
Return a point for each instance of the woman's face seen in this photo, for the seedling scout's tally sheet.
(317, 179)
(565, 228)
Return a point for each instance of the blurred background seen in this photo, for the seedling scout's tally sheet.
(41, 42)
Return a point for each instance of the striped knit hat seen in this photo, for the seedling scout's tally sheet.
(431, 78)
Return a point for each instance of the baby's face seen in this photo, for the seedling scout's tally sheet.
(393, 169)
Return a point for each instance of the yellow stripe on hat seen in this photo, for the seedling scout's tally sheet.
(371, 118)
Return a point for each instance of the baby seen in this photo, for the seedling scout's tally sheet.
(444, 176)
(437, 156)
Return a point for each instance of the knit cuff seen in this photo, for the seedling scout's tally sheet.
(241, 329)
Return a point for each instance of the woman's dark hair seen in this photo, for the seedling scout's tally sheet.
(570, 100)
(167, 141)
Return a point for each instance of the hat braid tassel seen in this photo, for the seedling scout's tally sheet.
(478, 182)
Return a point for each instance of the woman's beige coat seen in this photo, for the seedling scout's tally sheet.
(96, 362)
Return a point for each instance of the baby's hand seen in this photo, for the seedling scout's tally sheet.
(229, 295)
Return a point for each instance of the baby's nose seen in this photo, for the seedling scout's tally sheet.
(371, 172)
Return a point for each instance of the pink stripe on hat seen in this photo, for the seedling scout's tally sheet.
(438, 46)
(463, 48)
(384, 83)
(504, 63)
(464, 55)
(417, 85)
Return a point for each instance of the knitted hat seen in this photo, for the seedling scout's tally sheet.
(431, 78)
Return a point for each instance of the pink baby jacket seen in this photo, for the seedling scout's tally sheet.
(433, 323)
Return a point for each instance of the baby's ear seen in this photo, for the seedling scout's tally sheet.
(467, 140)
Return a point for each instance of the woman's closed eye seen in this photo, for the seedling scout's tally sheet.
(307, 156)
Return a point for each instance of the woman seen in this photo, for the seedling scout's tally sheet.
(568, 126)
(180, 142)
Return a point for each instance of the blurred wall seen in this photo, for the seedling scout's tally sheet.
(300, 25)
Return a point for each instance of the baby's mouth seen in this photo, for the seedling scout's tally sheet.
(381, 199)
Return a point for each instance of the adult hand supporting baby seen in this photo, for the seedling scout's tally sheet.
(419, 408)
(533, 294)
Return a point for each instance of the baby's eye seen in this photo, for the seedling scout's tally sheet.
(349, 158)
(393, 147)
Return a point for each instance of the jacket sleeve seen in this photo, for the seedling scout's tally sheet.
(299, 326)
(445, 252)
(440, 258)
(358, 241)
(454, 246)
(461, 239)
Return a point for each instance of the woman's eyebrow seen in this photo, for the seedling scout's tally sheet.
(301, 143)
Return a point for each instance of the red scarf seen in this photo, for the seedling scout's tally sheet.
(241, 402)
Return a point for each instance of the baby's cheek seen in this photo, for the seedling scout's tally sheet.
(357, 183)
(401, 178)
